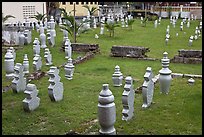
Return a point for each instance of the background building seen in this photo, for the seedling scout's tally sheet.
(21, 10)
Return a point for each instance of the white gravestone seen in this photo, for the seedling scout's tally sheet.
(165, 75)
(9, 64)
(190, 41)
(43, 40)
(68, 49)
(26, 37)
(106, 111)
(26, 64)
(19, 82)
(36, 47)
(147, 88)
(32, 101)
(48, 57)
(13, 52)
(37, 62)
(191, 81)
(21, 39)
(128, 99)
(69, 69)
(117, 77)
(155, 24)
(55, 89)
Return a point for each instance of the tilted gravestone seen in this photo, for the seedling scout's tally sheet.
(55, 89)
(19, 82)
(147, 88)
(69, 69)
(117, 77)
(37, 62)
(128, 99)
(32, 101)
(26, 64)
(106, 111)
(9, 64)
(165, 75)
(48, 57)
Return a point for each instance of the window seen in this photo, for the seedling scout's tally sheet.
(63, 3)
(28, 11)
(71, 3)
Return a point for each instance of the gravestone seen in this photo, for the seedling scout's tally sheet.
(36, 47)
(102, 30)
(117, 77)
(191, 81)
(55, 89)
(155, 24)
(68, 49)
(52, 30)
(128, 99)
(26, 64)
(37, 63)
(43, 40)
(9, 64)
(106, 111)
(26, 37)
(96, 36)
(147, 88)
(190, 41)
(69, 69)
(181, 26)
(32, 101)
(19, 82)
(41, 28)
(13, 52)
(188, 24)
(48, 57)
(21, 39)
(165, 75)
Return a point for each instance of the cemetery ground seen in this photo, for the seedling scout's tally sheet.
(179, 112)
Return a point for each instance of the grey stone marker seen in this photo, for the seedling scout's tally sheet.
(68, 49)
(165, 75)
(117, 77)
(13, 52)
(191, 81)
(32, 101)
(55, 89)
(37, 62)
(147, 88)
(21, 39)
(26, 37)
(19, 82)
(128, 97)
(26, 64)
(36, 47)
(106, 111)
(69, 69)
(9, 64)
(52, 31)
(48, 57)
(43, 40)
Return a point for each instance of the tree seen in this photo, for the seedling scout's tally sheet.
(130, 23)
(70, 22)
(39, 17)
(5, 18)
(111, 27)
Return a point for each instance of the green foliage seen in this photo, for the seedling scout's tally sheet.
(5, 18)
(39, 17)
(111, 27)
(91, 10)
(130, 23)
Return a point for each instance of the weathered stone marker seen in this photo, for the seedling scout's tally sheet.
(165, 75)
(19, 82)
(68, 49)
(48, 57)
(55, 89)
(37, 62)
(26, 64)
(128, 97)
(106, 111)
(147, 88)
(117, 77)
(31, 102)
(36, 47)
(9, 64)
(69, 69)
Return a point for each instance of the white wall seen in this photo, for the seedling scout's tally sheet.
(16, 9)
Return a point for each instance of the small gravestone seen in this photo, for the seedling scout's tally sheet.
(55, 89)
(32, 101)
(36, 47)
(26, 64)
(117, 77)
(26, 37)
(106, 111)
(165, 75)
(141, 18)
(48, 57)
(13, 52)
(155, 24)
(69, 69)
(102, 30)
(21, 39)
(9, 64)
(122, 23)
(68, 49)
(188, 24)
(52, 31)
(96, 36)
(19, 82)
(147, 88)
(37, 62)
(43, 40)
(181, 26)
(190, 41)
(41, 28)
(37, 26)
(94, 23)
(191, 81)
(128, 99)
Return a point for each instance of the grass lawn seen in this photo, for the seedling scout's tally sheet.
(179, 112)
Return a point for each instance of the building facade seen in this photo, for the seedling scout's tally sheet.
(21, 10)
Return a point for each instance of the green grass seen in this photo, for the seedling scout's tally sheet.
(180, 112)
